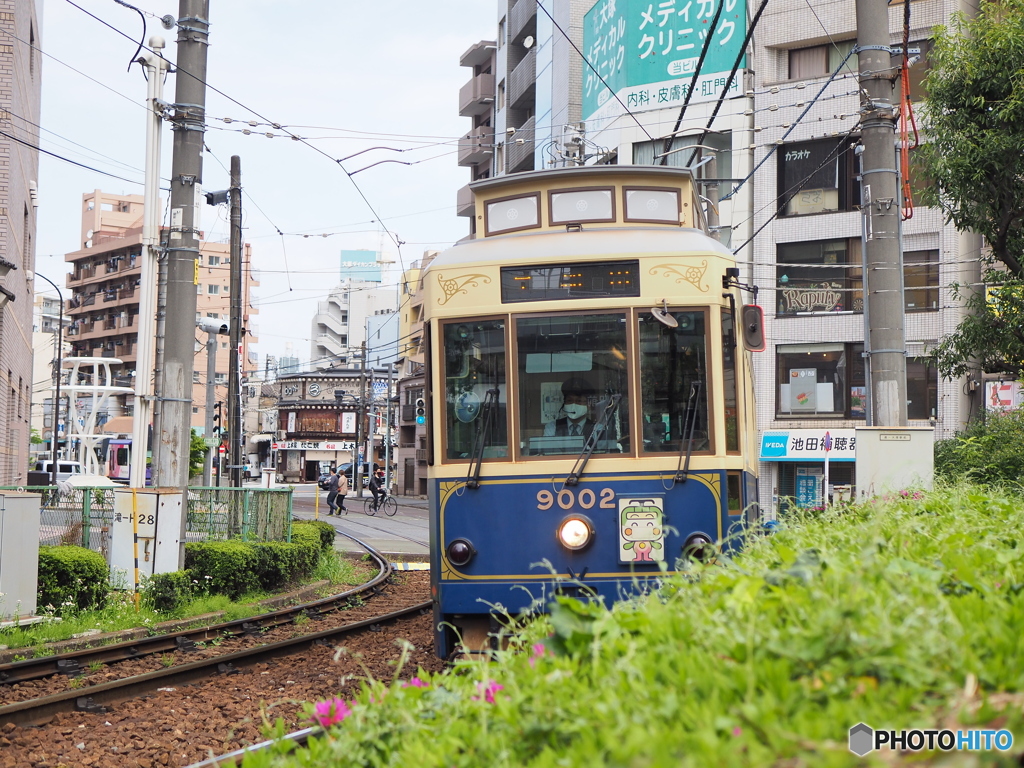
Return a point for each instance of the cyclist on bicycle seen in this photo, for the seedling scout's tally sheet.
(377, 488)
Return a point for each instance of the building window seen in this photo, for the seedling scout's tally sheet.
(213, 289)
(921, 280)
(922, 388)
(817, 177)
(820, 380)
(648, 153)
(501, 96)
(501, 33)
(819, 276)
(213, 261)
(821, 60)
(220, 378)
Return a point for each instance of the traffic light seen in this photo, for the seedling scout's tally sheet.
(421, 411)
(216, 418)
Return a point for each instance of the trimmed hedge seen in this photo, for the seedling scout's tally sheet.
(234, 568)
(72, 579)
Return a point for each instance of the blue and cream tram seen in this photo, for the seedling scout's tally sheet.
(591, 414)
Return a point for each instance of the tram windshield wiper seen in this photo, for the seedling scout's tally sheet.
(682, 471)
(595, 435)
(487, 414)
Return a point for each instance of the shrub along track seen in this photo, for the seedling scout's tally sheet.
(179, 721)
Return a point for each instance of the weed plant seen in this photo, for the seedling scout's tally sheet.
(901, 613)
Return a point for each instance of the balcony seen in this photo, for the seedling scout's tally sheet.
(476, 146)
(464, 202)
(519, 148)
(522, 21)
(477, 96)
(421, 455)
(522, 81)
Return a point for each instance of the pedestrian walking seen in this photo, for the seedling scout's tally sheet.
(333, 484)
(342, 492)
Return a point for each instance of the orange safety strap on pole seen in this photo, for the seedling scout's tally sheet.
(906, 118)
(316, 505)
(135, 541)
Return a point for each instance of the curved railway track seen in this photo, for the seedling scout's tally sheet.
(95, 698)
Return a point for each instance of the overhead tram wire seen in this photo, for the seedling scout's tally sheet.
(732, 76)
(67, 160)
(791, 128)
(693, 82)
(540, 4)
(394, 238)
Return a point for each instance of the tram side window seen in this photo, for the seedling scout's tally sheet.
(673, 380)
(474, 365)
(570, 367)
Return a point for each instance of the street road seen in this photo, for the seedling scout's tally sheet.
(404, 535)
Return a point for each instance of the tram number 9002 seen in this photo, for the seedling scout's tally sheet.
(567, 499)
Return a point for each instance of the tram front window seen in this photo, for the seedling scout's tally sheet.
(570, 366)
(474, 375)
(673, 382)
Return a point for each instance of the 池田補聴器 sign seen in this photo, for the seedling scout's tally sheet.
(647, 53)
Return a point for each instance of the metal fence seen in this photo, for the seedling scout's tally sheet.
(83, 516)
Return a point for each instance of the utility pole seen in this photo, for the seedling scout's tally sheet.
(155, 67)
(387, 431)
(360, 423)
(189, 124)
(236, 330)
(211, 398)
(885, 344)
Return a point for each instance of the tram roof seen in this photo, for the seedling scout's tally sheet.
(547, 246)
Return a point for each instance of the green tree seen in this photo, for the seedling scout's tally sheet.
(991, 335)
(974, 119)
(196, 455)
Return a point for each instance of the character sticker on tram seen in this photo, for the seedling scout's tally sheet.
(642, 530)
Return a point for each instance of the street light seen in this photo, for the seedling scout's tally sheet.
(57, 368)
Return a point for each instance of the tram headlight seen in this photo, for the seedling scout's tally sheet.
(575, 532)
(460, 552)
(698, 547)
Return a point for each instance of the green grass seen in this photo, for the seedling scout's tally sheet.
(901, 614)
(120, 614)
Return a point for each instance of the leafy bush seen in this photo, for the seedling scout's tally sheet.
(72, 579)
(167, 592)
(988, 452)
(231, 566)
(324, 531)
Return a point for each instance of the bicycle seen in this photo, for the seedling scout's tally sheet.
(387, 503)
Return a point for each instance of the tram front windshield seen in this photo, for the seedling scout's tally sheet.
(474, 366)
(570, 367)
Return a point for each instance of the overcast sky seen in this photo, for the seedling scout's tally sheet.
(345, 74)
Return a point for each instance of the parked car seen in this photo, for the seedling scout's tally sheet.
(42, 472)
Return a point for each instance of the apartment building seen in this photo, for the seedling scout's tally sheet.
(104, 303)
(339, 325)
(20, 81)
(784, 144)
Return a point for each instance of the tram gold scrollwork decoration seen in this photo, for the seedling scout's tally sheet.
(452, 286)
(691, 274)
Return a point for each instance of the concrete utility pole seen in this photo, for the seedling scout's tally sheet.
(189, 125)
(236, 330)
(357, 476)
(156, 69)
(211, 399)
(883, 274)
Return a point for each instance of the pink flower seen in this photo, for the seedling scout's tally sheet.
(331, 712)
(737, 731)
(539, 652)
(415, 683)
(488, 691)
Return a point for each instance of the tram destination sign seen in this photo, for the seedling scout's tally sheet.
(646, 51)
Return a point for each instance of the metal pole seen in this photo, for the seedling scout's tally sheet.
(236, 330)
(358, 474)
(211, 398)
(156, 67)
(711, 190)
(883, 279)
(183, 243)
(58, 362)
(387, 430)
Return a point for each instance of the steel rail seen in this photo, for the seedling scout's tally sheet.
(93, 699)
(75, 663)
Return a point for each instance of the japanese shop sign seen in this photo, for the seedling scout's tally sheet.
(313, 445)
(808, 445)
(647, 53)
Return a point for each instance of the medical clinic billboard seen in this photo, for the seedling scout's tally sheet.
(647, 53)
